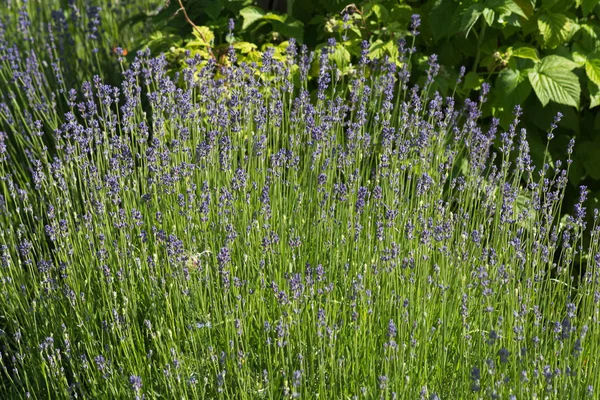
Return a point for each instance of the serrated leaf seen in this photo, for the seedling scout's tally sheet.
(557, 63)
(204, 35)
(250, 15)
(592, 68)
(555, 29)
(527, 52)
(470, 17)
(594, 94)
(552, 80)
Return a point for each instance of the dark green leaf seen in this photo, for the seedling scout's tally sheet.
(587, 6)
(513, 86)
(470, 17)
(588, 153)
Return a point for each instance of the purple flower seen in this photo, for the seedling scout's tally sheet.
(136, 383)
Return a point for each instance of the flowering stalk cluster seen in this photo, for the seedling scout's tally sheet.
(198, 237)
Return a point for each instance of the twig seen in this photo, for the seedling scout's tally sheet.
(187, 18)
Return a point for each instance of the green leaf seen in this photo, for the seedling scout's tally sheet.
(587, 6)
(592, 68)
(527, 52)
(341, 56)
(588, 153)
(558, 63)
(489, 16)
(377, 49)
(250, 15)
(381, 13)
(555, 29)
(506, 7)
(244, 47)
(470, 17)
(514, 86)
(472, 81)
(275, 17)
(552, 80)
(528, 6)
(204, 35)
(594, 90)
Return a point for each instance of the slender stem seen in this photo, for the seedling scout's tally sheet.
(187, 18)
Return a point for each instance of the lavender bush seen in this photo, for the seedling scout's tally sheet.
(238, 238)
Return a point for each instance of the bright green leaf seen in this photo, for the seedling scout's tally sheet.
(529, 53)
(377, 49)
(204, 35)
(275, 17)
(579, 58)
(558, 64)
(555, 29)
(341, 56)
(552, 80)
(250, 15)
(244, 47)
(489, 16)
(506, 7)
(592, 68)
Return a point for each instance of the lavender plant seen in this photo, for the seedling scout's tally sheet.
(46, 49)
(240, 239)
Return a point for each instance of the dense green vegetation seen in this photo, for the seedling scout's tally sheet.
(233, 219)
